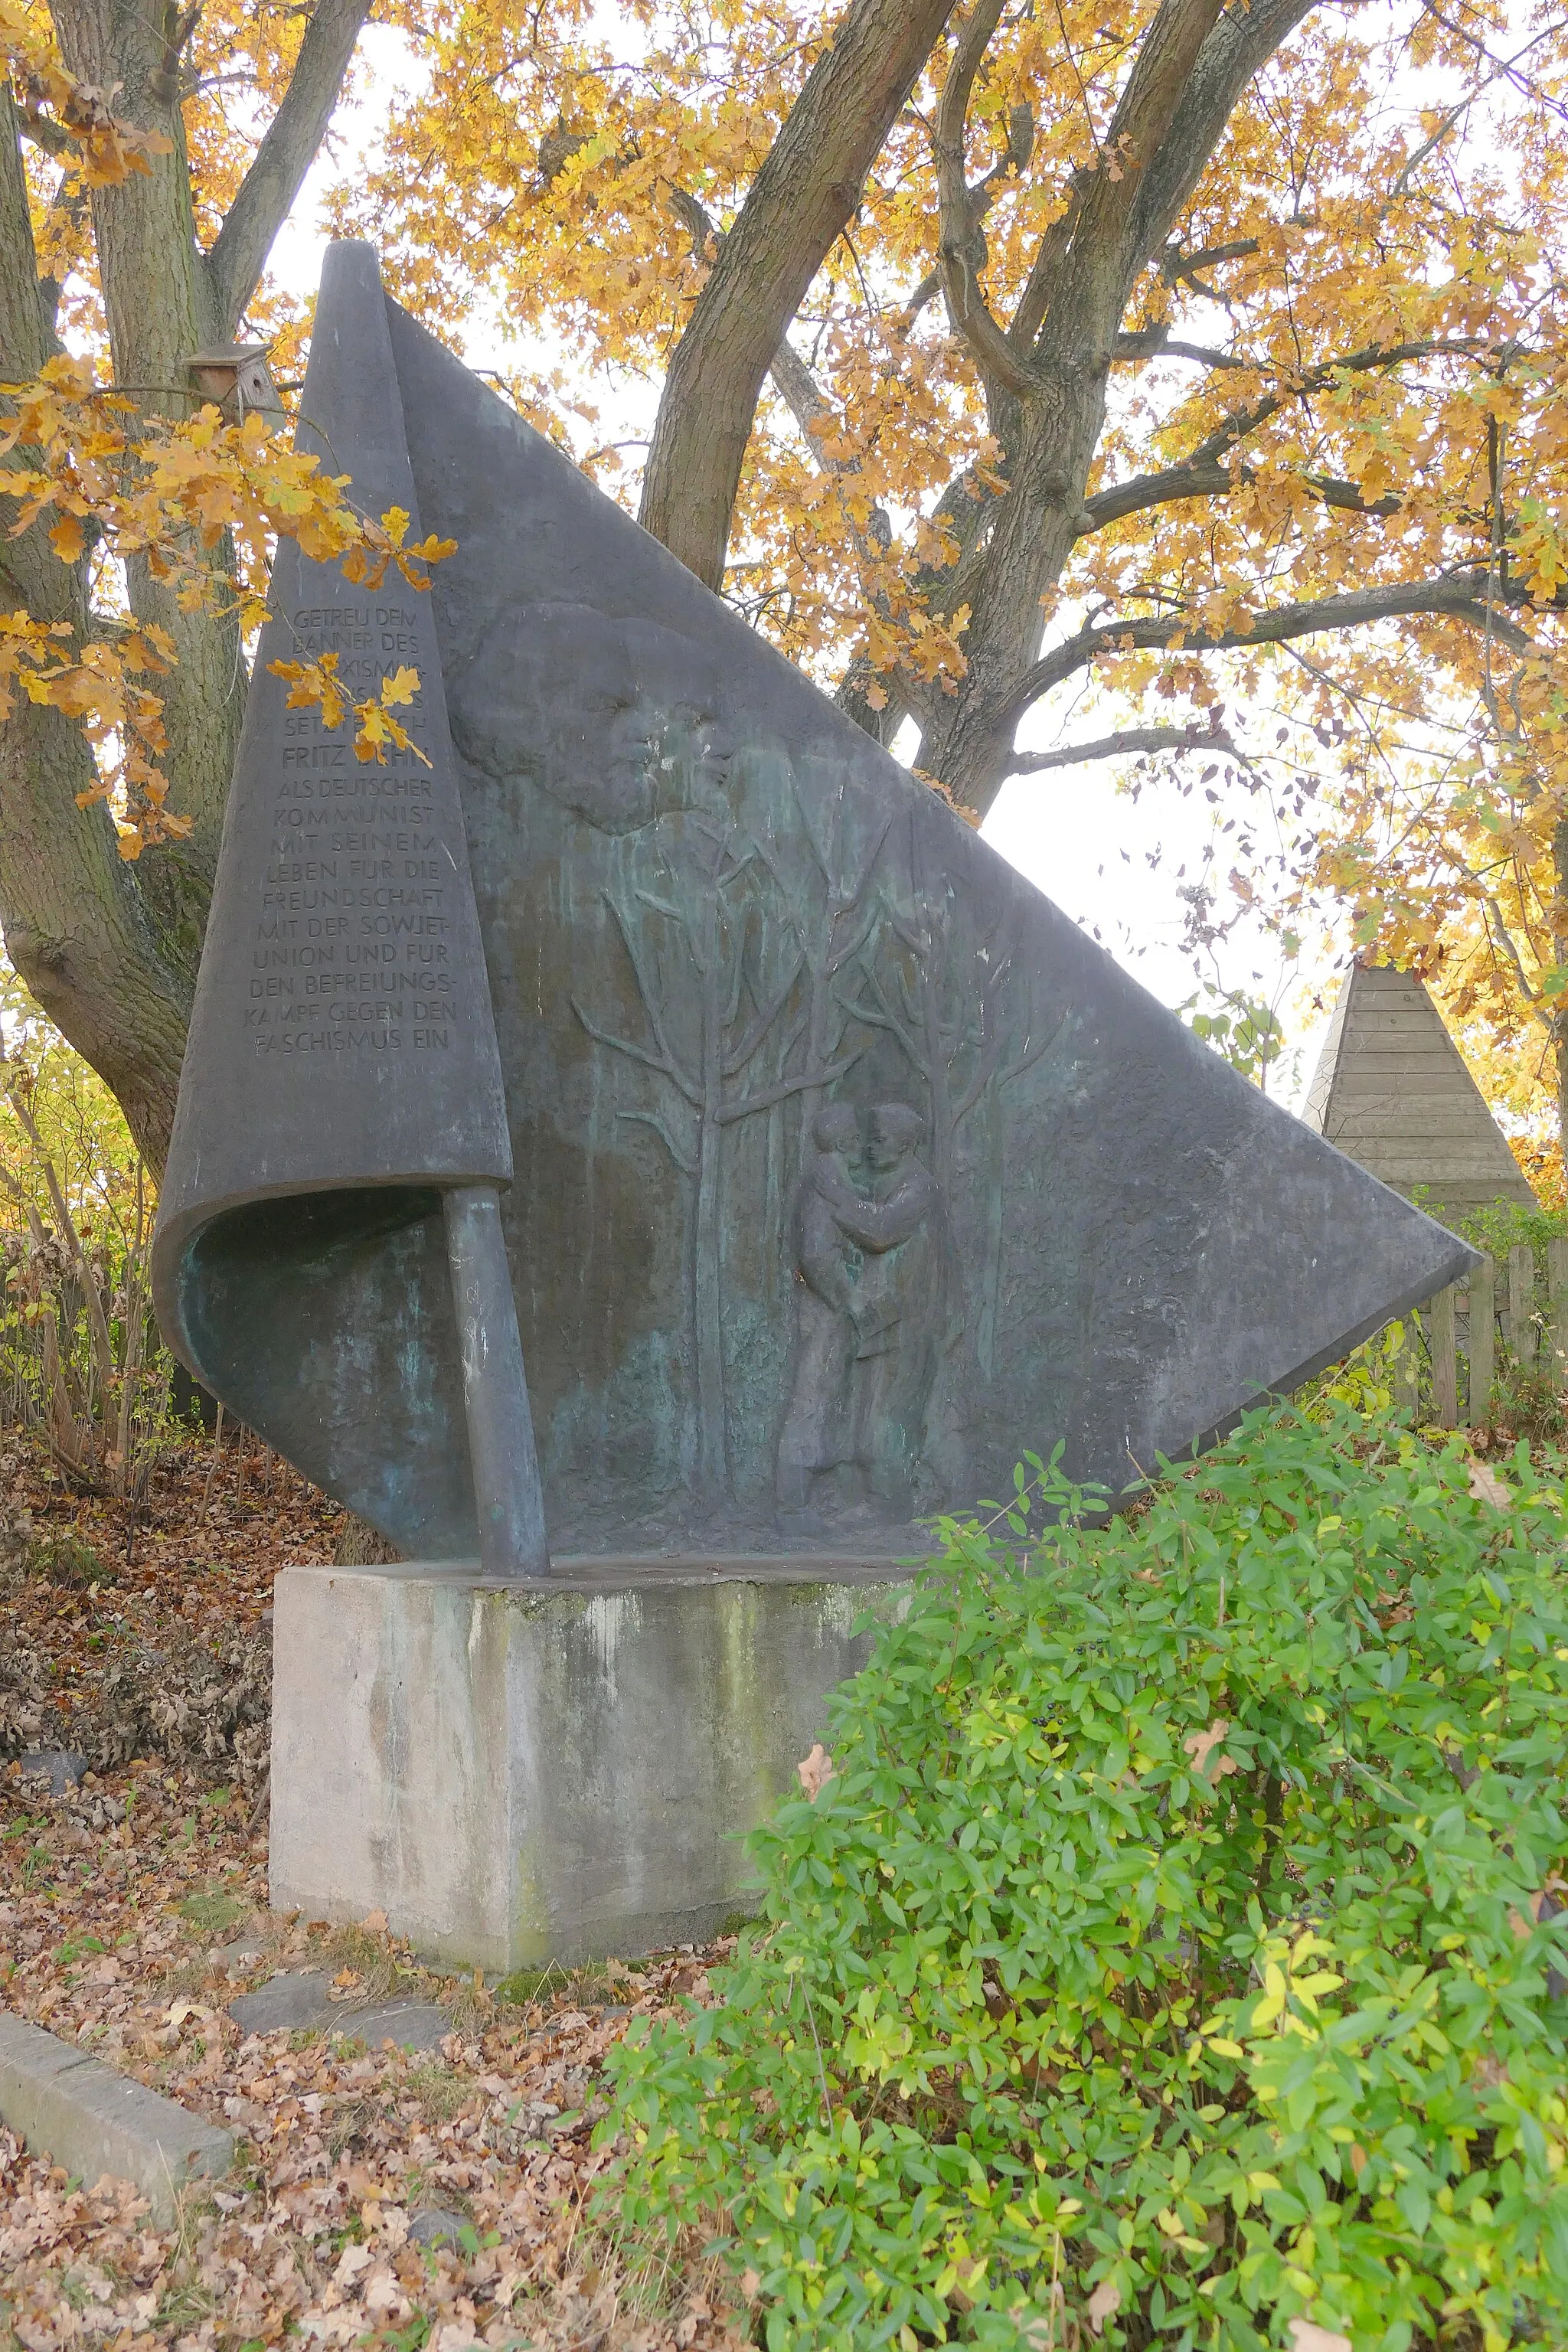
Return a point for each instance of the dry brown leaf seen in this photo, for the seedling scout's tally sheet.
(1308, 2337)
(815, 1770)
(1488, 1487)
(1105, 2302)
(1200, 1745)
(1525, 1923)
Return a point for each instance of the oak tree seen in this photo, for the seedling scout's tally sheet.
(137, 211)
(1198, 366)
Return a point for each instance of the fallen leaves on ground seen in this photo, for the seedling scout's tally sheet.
(132, 1911)
(149, 1635)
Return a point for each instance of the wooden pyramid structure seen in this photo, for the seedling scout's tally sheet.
(1392, 1091)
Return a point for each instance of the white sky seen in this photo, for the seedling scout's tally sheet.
(1083, 843)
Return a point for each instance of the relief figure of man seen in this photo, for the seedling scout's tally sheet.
(817, 1433)
(870, 1303)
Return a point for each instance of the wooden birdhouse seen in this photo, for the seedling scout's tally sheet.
(1392, 1091)
(237, 378)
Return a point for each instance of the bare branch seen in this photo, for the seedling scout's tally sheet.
(1202, 476)
(765, 1097)
(1119, 746)
(1462, 598)
(1158, 343)
(687, 1165)
(798, 205)
(287, 149)
(762, 1022)
(634, 1052)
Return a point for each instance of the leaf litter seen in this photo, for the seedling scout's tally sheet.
(417, 2200)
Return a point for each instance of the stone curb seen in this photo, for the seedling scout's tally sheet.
(89, 2119)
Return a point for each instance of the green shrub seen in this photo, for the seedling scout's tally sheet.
(1161, 1964)
(65, 1559)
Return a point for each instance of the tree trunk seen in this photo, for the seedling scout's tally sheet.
(159, 301)
(969, 744)
(111, 947)
(1557, 1021)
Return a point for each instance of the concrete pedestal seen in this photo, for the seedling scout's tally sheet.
(559, 1769)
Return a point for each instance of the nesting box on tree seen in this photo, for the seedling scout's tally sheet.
(236, 376)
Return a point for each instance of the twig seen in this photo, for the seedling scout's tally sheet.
(217, 1448)
(821, 2069)
(262, 1795)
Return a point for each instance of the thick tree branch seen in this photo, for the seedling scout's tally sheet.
(792, 379)
(799, 203)
(1196, 479)
(25, 336)
(957, 224)
(1093, 270)
(1204, 476)
(1119, 746)
(1242, 41)
(1178, 266)
(1464, 598)
(1158, 343)
(289, 148)
(1211, 479)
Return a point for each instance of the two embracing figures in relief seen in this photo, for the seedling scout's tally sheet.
(873, 1278)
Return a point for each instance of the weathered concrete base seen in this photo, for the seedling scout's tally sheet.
(68, 2105)
(560, 1769)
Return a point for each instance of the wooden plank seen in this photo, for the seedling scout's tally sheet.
(1521, 1302)
(1445, 1362)
(1483, 1340)
(1557, 1302)
(1407, 1369)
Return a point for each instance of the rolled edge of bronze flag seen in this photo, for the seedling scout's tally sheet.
(342, 1090)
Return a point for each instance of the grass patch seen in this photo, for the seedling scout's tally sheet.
(65, 1561)
(590, 1986)
(439, 2092)
(216, 1912)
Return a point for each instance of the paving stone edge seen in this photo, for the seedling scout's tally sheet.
(69, 2106)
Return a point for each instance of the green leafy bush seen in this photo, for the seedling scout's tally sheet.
(1162, 1963)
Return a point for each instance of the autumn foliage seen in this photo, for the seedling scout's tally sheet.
(1174, 1951)
(1185, 385)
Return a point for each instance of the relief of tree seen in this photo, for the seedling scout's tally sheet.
(721, 968)
(963, 1013)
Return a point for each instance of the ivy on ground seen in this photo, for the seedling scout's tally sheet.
(1171, 1958)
